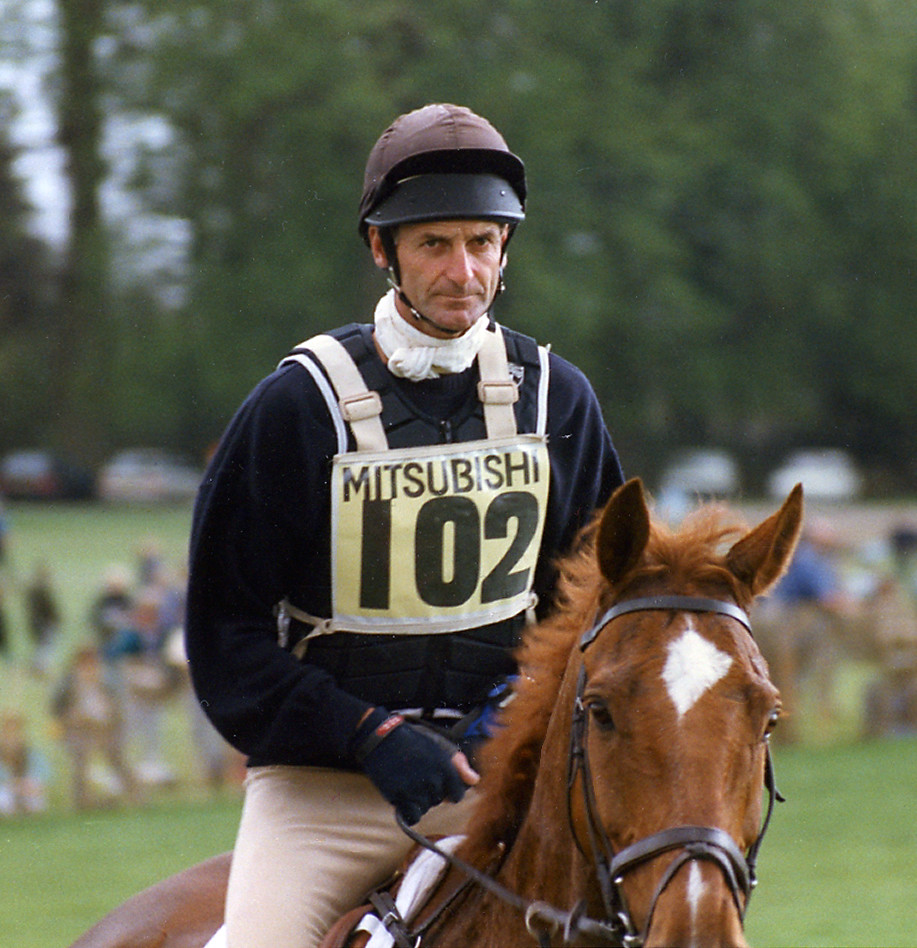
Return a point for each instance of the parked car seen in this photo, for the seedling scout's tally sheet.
(700, 472)
(825, 474)
(148, 475)
(38, 474)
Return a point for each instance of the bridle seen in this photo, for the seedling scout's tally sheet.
(695, 842)
(711, 843)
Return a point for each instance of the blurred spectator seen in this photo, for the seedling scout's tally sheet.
(4, 629)
(149, 562)
(891, 701)
(42, 619)
(903, 543)
(813, 576)
(217, 759)
(86, 706)
(149, 682)
(4, 558)
(171, 586)
(220, 763)
(24, 772)
(890, 705)
(110, 613)
(800, 626)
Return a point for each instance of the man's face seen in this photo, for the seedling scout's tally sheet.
(449, 271)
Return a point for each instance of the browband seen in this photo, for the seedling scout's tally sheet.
(680, 603)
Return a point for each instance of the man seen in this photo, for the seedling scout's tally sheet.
(380, 518)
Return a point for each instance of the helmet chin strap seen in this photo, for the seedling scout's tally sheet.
(419, 317)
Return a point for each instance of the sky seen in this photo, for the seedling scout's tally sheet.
(27, 55)
(152, 247)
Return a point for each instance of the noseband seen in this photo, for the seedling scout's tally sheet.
(695, 842)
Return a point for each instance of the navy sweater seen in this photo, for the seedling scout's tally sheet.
(261, 533)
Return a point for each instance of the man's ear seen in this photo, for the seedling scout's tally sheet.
(376, 246)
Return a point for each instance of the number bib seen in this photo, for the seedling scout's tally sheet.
(438, 538)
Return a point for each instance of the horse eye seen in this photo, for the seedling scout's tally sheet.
(772, 722)
(600, 714)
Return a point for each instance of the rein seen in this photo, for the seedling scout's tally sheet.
(544, 921)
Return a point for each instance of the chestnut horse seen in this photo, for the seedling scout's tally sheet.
(621, 799)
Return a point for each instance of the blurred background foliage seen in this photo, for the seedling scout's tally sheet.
(722, 225)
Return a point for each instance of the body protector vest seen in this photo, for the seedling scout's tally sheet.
(435, 526)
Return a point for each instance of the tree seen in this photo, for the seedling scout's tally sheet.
(25, 282)
(721, 214)
(77, 358)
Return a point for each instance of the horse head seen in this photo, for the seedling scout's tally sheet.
(624, 788)
(673, 708)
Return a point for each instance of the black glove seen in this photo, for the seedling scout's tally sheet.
(412, 769)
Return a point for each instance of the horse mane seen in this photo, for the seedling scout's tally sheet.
(691, 556)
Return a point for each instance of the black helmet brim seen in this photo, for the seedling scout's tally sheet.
(433, 197)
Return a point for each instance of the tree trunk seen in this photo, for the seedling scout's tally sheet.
(80, 352)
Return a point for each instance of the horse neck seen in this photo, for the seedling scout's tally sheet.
(544, 862)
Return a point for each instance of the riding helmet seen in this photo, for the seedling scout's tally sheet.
(441, 162)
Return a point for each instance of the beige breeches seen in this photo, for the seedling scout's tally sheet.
(312, 842)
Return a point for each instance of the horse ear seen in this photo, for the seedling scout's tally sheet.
(760, 558)
(624, 530)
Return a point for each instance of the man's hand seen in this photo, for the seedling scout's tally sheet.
(413, 769)
(466, 771)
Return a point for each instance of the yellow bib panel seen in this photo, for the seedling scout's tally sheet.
(439, 538)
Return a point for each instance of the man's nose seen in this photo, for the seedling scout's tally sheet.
(460, 267)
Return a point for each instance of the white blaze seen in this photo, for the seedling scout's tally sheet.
(693, 665)
(695, 891)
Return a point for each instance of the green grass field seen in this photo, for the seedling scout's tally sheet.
(839, 866)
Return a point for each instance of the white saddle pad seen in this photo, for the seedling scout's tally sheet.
(219, 939)
(420, 879)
